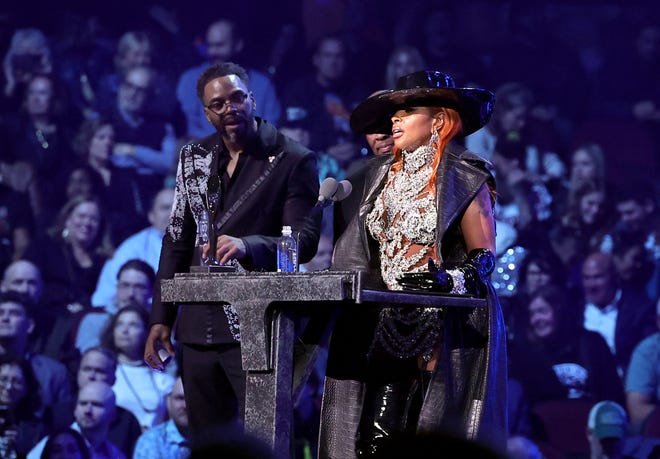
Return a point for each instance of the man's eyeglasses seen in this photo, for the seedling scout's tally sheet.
(219, 106)
(134, 87)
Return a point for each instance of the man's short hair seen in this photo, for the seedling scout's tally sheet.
(219, 70)
(107, 353)
(138, 265)
(11, 296)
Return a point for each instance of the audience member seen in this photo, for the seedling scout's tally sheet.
(17, 321)
(642, 384)
(21, 413)
(586, 165)
(224, 43)
(638, 211)
(539, 267)
(139, 389)
(116, 186)
(622, 316)
(94, 411)
(557, 358)
(28, 55)
(23, 276)
(633, 262)
(146, 143)
(67, 441)
(168, 440)
(328, 95)
(39, 139)
(135, 48)
(609, 435)
(134, 287)
(583, 228)
(16, 222)
(525, 155)
(144, 245)
(71, 254)
(99, 364)
(403, 60)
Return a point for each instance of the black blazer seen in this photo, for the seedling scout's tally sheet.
(277, 185)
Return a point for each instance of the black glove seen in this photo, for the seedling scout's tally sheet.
(468, 278)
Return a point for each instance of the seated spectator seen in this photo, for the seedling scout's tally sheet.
(622, 316)
(328, 94)
(16, 222)
(24, 277)
(634, 263)
(134, 287)
(66, 441)
(583, 228)
(144, 245)
(94, 411)
(403, 60)
(538, 268)
(17, 321)
(99, 364)
(139, 389)
(558, 358)
(117, 186)
(587, 165)
(609, 435)
(70, 256)
(642, 384)
(29, 54)
(168, 440)
(21, 413)
(135, 49)
(38, 139)
(145, 143)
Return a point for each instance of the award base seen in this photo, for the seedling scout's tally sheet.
(213, 269)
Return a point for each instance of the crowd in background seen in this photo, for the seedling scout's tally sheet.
(95, 103)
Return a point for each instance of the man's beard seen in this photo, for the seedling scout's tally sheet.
(241, 134)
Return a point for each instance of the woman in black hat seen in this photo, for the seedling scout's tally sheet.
(425, 222)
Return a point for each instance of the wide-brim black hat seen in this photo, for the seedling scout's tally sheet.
(423, 89)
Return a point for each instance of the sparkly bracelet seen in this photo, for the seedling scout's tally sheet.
(458, 279)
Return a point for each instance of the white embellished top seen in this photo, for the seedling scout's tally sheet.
(404, 218)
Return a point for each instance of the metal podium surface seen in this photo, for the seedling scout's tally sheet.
(263, 302)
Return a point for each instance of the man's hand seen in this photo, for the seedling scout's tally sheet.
(228, 247)
(158, 339)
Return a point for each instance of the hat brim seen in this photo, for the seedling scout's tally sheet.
(373, 115)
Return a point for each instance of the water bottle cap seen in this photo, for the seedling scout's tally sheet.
(286, 230)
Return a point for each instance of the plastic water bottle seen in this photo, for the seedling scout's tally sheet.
(287, 252)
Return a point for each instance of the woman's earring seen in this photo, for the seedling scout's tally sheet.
(433, 141)
(65, 233)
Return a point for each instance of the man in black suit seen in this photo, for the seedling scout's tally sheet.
(265, 181)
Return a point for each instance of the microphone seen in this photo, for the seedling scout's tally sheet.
(327, 190)
(332, 191)
(343, 190)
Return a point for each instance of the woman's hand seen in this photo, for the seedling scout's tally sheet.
(439, 281)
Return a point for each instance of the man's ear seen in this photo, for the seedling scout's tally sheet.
(31, 326)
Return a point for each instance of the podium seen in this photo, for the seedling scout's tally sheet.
(267, 305)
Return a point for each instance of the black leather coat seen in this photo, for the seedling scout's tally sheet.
(467, 394)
